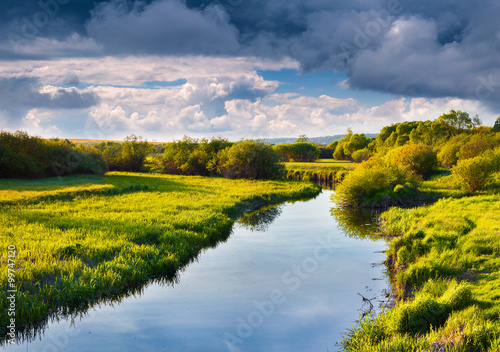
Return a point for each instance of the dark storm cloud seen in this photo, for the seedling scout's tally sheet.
(414, 48)
(23, 94)
(163, 27)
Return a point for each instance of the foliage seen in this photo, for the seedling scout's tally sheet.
(298, 152)
(457, 121)
(349, 144)
(191, 156)
(134, 153)
(325, 152)
(474, 174)
(24, 156)
(250, 159)
(478, 144)
(368, 184)
(361, 155)
(449, 153)
(496, 126)
(81, 238)
(415, 159)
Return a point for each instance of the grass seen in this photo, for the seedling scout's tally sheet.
(445, 261)
(80, 239)
(320, 170)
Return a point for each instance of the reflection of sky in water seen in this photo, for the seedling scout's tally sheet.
(219, 291)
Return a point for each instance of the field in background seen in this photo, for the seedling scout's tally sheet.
(322, 170)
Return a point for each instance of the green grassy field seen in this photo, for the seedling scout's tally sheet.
(446, 266)
(321, 169)
(82, 238)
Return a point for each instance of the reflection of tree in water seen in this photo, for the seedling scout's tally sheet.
(260, 220)
(357, 223)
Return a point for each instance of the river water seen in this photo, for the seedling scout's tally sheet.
(287, 279)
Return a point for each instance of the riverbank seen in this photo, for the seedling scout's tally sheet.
(445, 263)
(322, 170)
(81, 238)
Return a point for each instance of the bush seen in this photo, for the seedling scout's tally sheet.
(415, 159)
(250, 159)
(299, 151)
(477, 145)
(191, 156)
(448, 155)
(24, 156)
(361, 155)
(325, 152)
(370, 179)
(474, 174)
(14, 164)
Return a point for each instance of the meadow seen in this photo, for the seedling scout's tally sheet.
(80, 239)
(445, 261)
(320, 170)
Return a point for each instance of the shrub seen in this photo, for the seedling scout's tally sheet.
(415, 159)
(191, 156)
(361, 155)
(368, 180)
(250, 159)
(448, 155)
(477, 145)
(14, 164)
(325, 152)
(24, 156)
(299, 151)
(474, 174)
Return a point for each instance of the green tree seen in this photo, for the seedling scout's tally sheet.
(496, 126)
(134, 152)
(302, 139)
(458, 121)
(250, 159)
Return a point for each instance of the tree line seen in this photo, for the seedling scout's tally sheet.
(392, 164)
(417, 147)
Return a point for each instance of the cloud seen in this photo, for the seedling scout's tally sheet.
(26, 92)
(427, 48)
(163, 27)
(18, 95)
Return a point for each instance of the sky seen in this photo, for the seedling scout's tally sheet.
(162, 69)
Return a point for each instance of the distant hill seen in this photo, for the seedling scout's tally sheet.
(317, 140)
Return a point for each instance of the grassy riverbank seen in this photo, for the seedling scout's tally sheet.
(81, 238)
(320, 170)
(445, 260)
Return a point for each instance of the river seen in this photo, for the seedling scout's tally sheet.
(287, 279)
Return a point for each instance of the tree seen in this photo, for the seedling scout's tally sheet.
(302, 139)
(496, 127)
(458, 120)
(250, 159)
(134, 152)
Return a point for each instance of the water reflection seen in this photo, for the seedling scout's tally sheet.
(358, 223)
(261, 219)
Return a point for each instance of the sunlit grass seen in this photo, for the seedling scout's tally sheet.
(446, 258)
(83, 237)
(320, 170)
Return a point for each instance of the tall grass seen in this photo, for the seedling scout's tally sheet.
(82, 238)
(445, 262)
